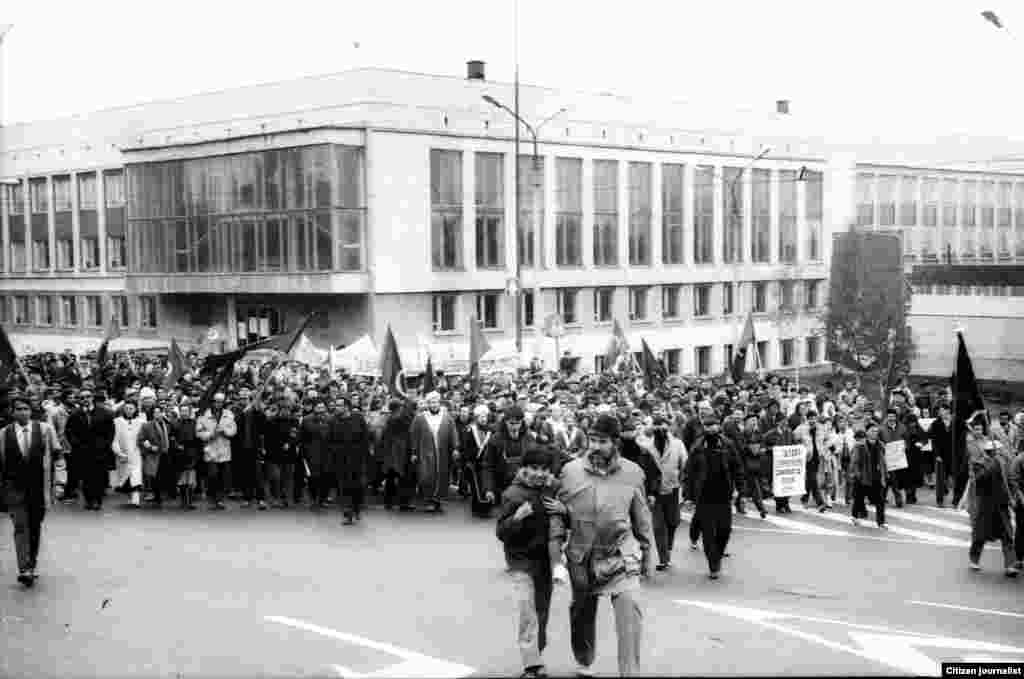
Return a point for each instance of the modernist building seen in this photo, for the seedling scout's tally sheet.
(382, 197)
(963, 249)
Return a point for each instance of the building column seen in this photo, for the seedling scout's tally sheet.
(469, 210)
(5, 231)
(801, 221)
(101, 219)
(688, 211)
(747, 187)
(369, 261)
(624, 206)
(51, 227)
(718, 223)
(231, 311)
(549, 217)
(587, 227)
(657, 223)
(76, 234)
(773, 236)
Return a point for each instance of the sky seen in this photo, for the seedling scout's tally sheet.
(903, 70)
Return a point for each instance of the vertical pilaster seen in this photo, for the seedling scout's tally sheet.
(623, 199)
(101, 219)
(51, 225)
(656, 229)
(688, 215)
(587, 229)
(76, 227)
(717, 229)
(773, 236)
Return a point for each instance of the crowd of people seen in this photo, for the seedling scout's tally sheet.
(519, 448)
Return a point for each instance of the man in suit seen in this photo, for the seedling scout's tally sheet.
(27, 451)
(90, 433)
(154, 442)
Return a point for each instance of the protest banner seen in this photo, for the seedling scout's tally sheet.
(788, 470)
(896, 455)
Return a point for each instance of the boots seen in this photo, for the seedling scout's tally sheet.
(136, 498)
(183, 494)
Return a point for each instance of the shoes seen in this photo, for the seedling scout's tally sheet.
(726, 555)
(713, 575)
(974, 566)
(763, 514)
(693, 546)
(855, 521)
(1012, 572)
(883, 526)
(661, 567)
(584, 671)
(25, 579)
(824, 508)
(262, 506)
(535, 671)
(246, 504)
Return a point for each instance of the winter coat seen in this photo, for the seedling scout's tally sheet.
(502, 458)
(216, 435)
(698, 467)
(186, 448)
(126, 449)
(315, 438)
(393, 450)
(281, 449)
(991, 494)
(671, 463)
(860, 463)
(31, 484)
(90, 436)
(608, 523)
(642, 456)
(526, 541)
(350, 440)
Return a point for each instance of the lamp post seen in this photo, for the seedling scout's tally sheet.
(533, 130)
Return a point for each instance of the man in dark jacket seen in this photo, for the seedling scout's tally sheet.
(523, 528)
(780, 435)
(350, 437)
(503, 454)
(941, 435)
(90, 433)
(247, 449)
(715, 469)
(750, 443)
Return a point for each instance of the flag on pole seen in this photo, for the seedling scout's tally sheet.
(428, 376)
(747, 338)
(966, 394)
(8, 357)
(284, 343)
(654, 371)
(175, 365)
(391, 365)
(478, 347)
(113, 332)
(618, 346)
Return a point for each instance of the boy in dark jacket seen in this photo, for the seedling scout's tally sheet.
(523, 527)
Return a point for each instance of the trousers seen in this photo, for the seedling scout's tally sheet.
(279, 482)
(993, 523)
(28, 527)
(218, 480)
(666, 521)
(715, 521)
(877, 494)
(583, 620)
(533, 605)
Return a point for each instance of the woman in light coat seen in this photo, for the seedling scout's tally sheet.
(126, 449)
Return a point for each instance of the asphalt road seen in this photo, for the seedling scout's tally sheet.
(293, 593)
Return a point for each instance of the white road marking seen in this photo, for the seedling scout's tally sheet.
(413, 665)
(891, 647)
(927, 520)
(989, 611)
(898, 530)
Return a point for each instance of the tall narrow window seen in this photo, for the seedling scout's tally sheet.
(69, 311)
(113, 187)
(606, 213)
(759, 294)
(569, 218)
(988, 207)
(908, 201)
(930, 202)
(886, 200)
(968, 204)
(865, 201)
(527, 302)
(565, 302)
(62, 193)
(638, 303)
(490, 210)
(761, 207)
(1018, 218)
(672, 214)
(488, 306)
(670, 301)
(147, 312)
(786, 352)
(1004, 219)
(787, 298)
(813, 350)
(94, 311)
(949, 202)
(814, 211)
(703, 213)
(530, 238)
(39, 197)
(639, 214)
(728, 299)
(672, 361)
(787, 216)
(702, 360)
(603, 298)
(119, 310)
(444, 313)
(701, 300)
(44, 310)
(446, 208)
(732, 211)
(87, 191)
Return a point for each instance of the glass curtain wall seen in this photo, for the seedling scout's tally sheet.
(282, 211)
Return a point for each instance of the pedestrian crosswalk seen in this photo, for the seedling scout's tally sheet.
(913, 523)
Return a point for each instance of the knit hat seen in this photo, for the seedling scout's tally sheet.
(539, 456)
(606, 426)
(513, 412)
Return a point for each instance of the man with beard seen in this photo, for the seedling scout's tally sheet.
(715, 469)
(27, 451)
(90, 433)
(350, 437)
(398, 472)
(504, 453)
(602, 519)
(474, 442)
(434, 444)
(315, 435)
(670, 454)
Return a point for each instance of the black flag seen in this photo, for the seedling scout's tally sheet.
(966, 394)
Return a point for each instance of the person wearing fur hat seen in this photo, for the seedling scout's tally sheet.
(523, 528)
(602, 520)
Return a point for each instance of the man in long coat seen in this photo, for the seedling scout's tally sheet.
(393, 456)
(90, 433)
(433, 442)
(315, 439)
(27, 451)
(350, 438)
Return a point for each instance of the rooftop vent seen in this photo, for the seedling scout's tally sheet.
(782, 106)
(474, 70)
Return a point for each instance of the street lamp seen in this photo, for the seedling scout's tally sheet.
(534, 131)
